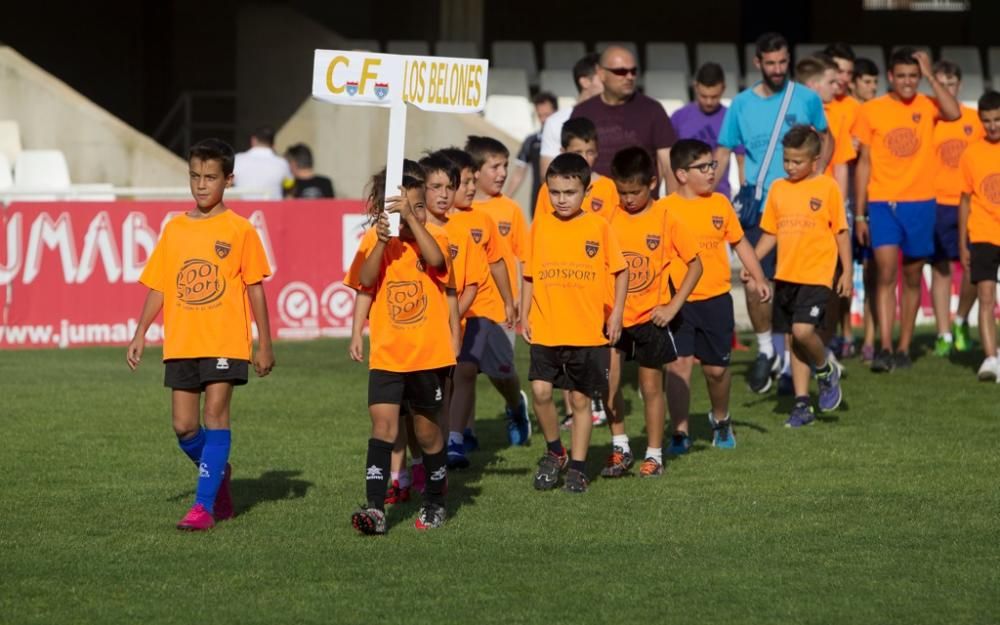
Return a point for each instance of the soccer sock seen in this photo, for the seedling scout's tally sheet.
(786, 368)
(802, 399)
(212, 467)
(825, 369)
(193, 446)
(656, 453)
(456, 438)
(959, 321)
(578, 465)
(404, 479)
(947, 336)
(764, 344)
(621, 440)
(376, 468)
(437, 476)
(556, 447)
(416, 460)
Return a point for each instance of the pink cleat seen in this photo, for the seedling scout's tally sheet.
(419, 477)
(197, 520)
(224, 499)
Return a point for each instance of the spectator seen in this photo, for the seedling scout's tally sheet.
(588, 84)
(545, 105)
(306, 185)
(259, 168)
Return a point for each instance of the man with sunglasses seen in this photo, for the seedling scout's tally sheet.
(624, 117)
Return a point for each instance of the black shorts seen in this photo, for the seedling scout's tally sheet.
(580, 369)
(798, 303)
(984, 261)
(769, 262)
(704, 329)
(189, 374)
(647, 344)
(421, 392)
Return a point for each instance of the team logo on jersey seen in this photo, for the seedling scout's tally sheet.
(504, 227)
(352, 88)
(407, 302)
(639, 274)
(916, 118)
(199, 282)
(596, 204)
(477, 234)
(951, 152)
(591, 248)
(815, 203)
(452, 250)
(991, 188)
(968, 130)
(717, 222)
(652, 241)
(222, 249)
(381, 90)
(902, 142)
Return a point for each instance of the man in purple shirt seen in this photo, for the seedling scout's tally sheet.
(702, 118)
(624, 117)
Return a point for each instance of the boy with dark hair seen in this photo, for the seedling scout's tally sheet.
(588, 84)
(306, 184)
(206, 273)
(564, 303)
(950, 141)
(979, 226)
(864, 80)
(652, 242)
(706, 321)
(895, 191)
(579, 136)
(805, 217)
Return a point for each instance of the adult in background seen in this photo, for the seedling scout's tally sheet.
(624, 117)
(260, 168)
(750, 122)
(307, 185)
(545, 105)
(702, 119)
(588, 84)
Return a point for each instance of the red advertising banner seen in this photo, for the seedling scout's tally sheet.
(69, 271)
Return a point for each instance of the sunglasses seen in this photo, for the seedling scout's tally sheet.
(622, 71)
(704, 167)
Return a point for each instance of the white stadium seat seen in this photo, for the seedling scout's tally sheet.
(41, 169)
(972, 88)
(873, 53)
(667, 56)
(993, 65)
(802, 50)
(507, 82)
(6, 179)
(563, 54)
(516, 55)
(967, 57)
(416, 47)
(559, 82)
(457, 49)
(667, 85)
(513, 114)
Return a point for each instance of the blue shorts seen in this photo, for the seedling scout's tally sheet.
(946, 233)
(769, 263)
(859, 253)
(907, 225)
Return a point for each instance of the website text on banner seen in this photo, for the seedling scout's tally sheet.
(69, 271)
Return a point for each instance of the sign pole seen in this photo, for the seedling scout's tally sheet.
(394, 157)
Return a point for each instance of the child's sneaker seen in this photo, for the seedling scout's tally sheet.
(802, 414)
(961, 333)
(988, 370)
(369, 521)
(431, 516)
(197, 520)
(397, 494)
(519, 423)
(549, 468)
(722, 432)
(470, 441)
(600, 415)
(942, 347)
(456, 456)
(651, 467)
(576, 482)
(680, 444)
(418, 477)
(618, 463)
(830, 393)
(224, 498)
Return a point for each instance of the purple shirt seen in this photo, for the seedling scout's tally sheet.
(641, 121)
(691, 123)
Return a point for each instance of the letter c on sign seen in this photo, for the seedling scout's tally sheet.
(329, 74)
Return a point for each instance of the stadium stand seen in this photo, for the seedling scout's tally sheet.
(416, 47)
(873, 52)
(558, 82)
(993, 60)
(967, 58)
(6, 178)
(514, 115)
(457, 49)
(562, 55)
(368, 45)
(667, 56)
(510, 81)
(801, 51)
(515, 55)
(725, 55)
(670, 88)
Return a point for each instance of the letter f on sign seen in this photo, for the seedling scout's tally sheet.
(368, 73)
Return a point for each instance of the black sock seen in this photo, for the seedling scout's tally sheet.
(377, 472)
(802, 399)
(824, 369)
(437, 476)
(555, 447)
(578, 465)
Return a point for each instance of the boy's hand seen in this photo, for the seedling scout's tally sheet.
(263, 361)
(663, 315)
(133, 355)
(926, 70)
(614, 326)
(382, 228)
(399, 204)
(964, 256)
(526, 332)
(356, 350)
(845, 285)
(763, 290)
(861, 232)
(744, 276)
(510, 311)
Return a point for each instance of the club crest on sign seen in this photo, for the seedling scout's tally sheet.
(504, 227)
(452, 250)
(352, 88)
(968, 130)
(477, 234)
(652, 241)
(381, 90)
(222, 249)
(815, 203)
(916, 118)
(717, 222)
(591, 248)
(596, 204)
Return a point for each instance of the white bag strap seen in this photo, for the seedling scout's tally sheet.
(765, 164)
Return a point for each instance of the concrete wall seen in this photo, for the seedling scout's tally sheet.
(98, 146)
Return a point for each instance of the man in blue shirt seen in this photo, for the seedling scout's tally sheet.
(749, 122)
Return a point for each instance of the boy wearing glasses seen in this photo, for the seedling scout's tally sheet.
(624, 117)
(705, 325)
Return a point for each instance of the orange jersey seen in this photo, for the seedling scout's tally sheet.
(840, 115)
(408, 320)
(203, 267)
(710, 223)
(468, 260)
(569, 263)
(950, 140)
(649, 242)
(900, 136)
(602, 200)
(980, 169)
(513, 228)
(484, 232)
(805, 216)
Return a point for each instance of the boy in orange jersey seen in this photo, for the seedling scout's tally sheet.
(804, 215)
(563, 301)
(407, 279)
(894, 189)
(579, 136)
(706, 323)
(206, 273)
(652, 244)
(487, 341)
(950, 140)
(979, 226)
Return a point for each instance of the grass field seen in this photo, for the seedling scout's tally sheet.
(886, 512)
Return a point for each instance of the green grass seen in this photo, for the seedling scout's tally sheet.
(886, 512)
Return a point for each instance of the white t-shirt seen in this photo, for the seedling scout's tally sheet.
(552, 132)
(261, 168)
